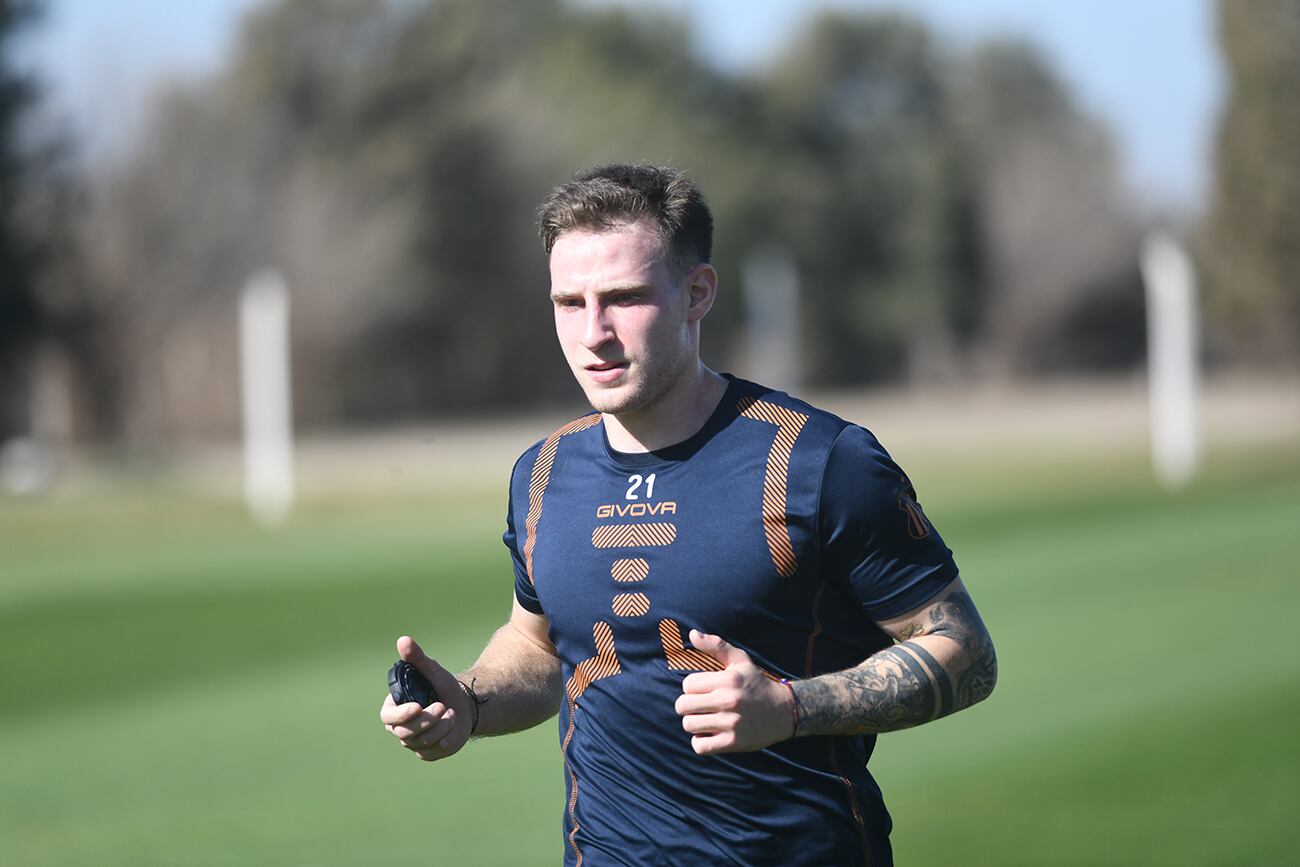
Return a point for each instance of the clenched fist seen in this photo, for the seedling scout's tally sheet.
(739, 709)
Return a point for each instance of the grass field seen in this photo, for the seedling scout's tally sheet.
(181, 688)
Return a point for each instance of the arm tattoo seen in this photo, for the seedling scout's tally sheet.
(904, 685)
(957, 618)
(937, 675)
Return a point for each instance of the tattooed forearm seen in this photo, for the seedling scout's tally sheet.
(889, 691)
(909, 683)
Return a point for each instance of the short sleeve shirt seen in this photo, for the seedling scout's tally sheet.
(780, 527)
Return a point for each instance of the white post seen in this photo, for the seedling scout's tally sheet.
(1171, 358)
(267, 402)
(771, 290)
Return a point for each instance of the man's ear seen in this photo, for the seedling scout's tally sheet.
(701, 290)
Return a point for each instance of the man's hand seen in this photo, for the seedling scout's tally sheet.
(739, 709)
(436, 731)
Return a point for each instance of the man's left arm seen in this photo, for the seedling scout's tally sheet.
(943, 661)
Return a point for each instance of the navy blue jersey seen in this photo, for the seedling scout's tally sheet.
(779, 527)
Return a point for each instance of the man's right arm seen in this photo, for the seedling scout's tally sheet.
(516, 679)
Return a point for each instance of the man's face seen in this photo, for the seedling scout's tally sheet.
(622, 321)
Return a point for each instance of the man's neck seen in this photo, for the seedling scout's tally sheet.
(675, 417)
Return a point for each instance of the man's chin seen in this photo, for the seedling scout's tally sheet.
(613, 399)
(607, 402)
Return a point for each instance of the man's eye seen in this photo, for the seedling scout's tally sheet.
(568, 303)
(627, 298)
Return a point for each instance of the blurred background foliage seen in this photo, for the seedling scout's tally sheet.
(1255, 225)
(953, 213)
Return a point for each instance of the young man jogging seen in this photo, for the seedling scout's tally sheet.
(724, 592)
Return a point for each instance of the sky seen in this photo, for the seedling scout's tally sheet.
(1149, 70)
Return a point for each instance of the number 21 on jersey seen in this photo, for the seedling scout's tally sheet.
(634, 484)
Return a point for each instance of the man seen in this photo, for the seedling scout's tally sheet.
(725, 592)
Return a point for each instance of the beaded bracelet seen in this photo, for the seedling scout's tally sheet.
(473, 703)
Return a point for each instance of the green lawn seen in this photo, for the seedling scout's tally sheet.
(177, 687)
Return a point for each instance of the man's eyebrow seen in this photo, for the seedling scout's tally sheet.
(604, 290)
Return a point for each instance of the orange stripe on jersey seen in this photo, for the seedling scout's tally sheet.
(631, 604)
(633, 535)
(681, 656)
(573, 792)
(541, 478)
(627, 571)
(775, 480)
(603, 664)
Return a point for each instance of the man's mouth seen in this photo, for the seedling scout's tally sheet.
(606, 371)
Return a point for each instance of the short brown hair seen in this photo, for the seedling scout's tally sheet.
(607, 196)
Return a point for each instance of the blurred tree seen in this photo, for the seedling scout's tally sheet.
(49, 344)
(1053, 235)
(1255, 224)
(853, 115)
(955, 215)
(19, 311)
(232, 178)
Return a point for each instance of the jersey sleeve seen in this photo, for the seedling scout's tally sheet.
(877, 543)
(525, 592)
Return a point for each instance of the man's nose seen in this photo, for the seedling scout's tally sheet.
(597, 329)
